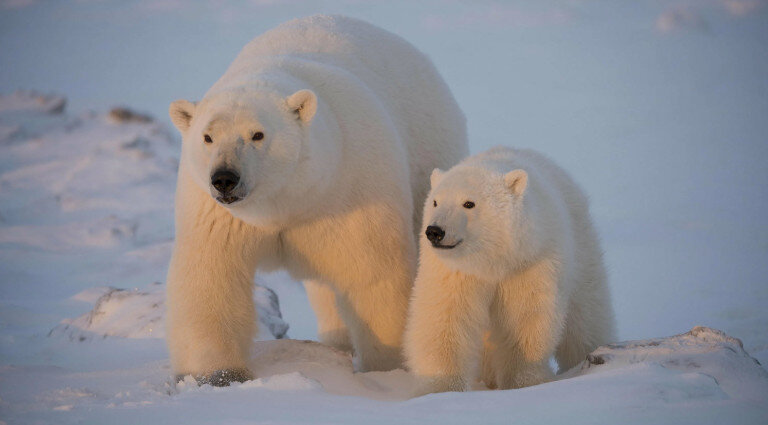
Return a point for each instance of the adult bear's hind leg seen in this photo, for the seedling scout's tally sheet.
(331, 329)
(375, 316)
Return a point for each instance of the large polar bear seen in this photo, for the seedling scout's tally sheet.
(311, 153)
(509, 255)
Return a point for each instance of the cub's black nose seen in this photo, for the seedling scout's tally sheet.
(224, 180)
(435, 234)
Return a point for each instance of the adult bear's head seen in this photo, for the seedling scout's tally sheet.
(249, 148)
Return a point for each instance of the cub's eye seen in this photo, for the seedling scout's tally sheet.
(207, 139)
(257, 136)
(434, 203)
(469, 204)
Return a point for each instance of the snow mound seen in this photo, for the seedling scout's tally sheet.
(117, 312)
(701, 366)
(290, 364)
(309, 365)
(73, 184)
(702, 352)
(140, 314)
(32, 101)
(121, 114)
(287, 382)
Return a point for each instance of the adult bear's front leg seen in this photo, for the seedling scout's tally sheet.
(211, 316)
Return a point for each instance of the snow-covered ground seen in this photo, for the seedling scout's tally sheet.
(657, 109)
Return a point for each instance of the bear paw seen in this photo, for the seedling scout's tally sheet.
(221, 377)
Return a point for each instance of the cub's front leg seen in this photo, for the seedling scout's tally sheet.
(211, 316)
(527, 322)
(448, 313)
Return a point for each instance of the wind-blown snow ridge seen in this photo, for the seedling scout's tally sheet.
(32, 101)
(703, 351)
(141, 314)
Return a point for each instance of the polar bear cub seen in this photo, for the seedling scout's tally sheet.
(509, 260)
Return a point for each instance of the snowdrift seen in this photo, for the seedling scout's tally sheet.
(706, 362)
(703, 353)
(141, 314)
(706, 358)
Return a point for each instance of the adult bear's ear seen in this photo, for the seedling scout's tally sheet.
(304, 103)
(437, 175)
(516, 181)
(181, 112)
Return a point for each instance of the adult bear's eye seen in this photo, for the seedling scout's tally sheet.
(469, 204)
(257, 136)
(207, 139)
(434, 203)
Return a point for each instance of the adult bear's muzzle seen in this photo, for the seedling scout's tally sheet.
(225, 181)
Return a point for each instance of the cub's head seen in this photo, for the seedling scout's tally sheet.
(472, 218)
(242, 146)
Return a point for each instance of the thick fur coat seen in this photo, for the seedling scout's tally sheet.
(510, 274)
(328, 128)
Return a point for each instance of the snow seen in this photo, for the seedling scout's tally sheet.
(141, 314)
(304, 382)
(656, 108)
(702, 353)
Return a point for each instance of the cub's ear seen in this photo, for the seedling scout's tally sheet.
(437, 175)
(304, 103)
(181, 112)
(516, 181)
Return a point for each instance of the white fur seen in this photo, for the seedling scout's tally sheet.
(354, 120)
(526, 280)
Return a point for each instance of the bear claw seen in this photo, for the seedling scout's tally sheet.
(221, 377)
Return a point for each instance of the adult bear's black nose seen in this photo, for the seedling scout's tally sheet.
(224, 180)
(435, 233)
